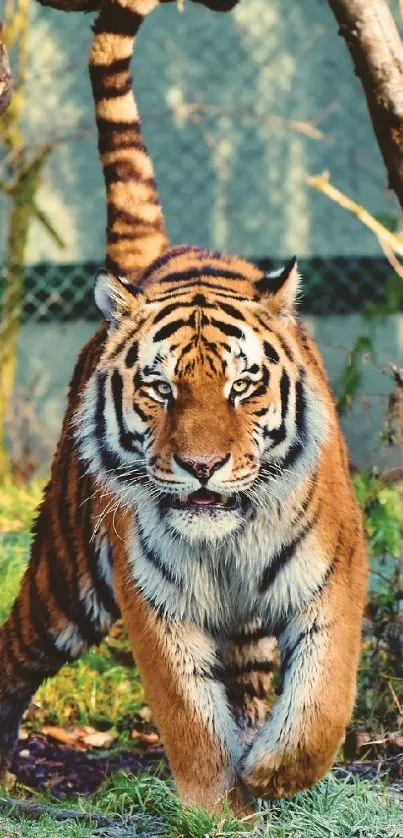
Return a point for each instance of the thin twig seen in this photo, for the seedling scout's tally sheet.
(393, 261)
(194, 109)
(322, 184)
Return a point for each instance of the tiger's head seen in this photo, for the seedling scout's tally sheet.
(201, 406)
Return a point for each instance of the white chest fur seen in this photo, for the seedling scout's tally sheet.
(252, 575)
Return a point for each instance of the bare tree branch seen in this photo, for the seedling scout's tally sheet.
(322, 183)
(376, 48)
(5, 75)
(92, 5)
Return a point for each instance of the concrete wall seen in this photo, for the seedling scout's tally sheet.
(48, 353)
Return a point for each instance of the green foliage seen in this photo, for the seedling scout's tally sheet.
(362, 348)
(381, 672)
(350, 379)
(381, 506)
(392, 303)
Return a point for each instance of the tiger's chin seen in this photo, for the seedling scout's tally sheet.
(204, 515)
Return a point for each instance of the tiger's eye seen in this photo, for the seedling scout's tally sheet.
(163, 388)
(240, 386)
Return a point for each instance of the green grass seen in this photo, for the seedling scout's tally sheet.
(103, 689)
(334, 809)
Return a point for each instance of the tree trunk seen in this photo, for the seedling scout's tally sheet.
(5, 75)
(22, 211)
(373, 40)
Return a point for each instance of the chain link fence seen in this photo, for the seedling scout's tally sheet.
(239, 110)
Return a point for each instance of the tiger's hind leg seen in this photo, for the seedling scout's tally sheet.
(249, 660)
(65, 604)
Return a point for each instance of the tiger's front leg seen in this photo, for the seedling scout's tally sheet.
(65, 604)
(178, 665)
(298, 744)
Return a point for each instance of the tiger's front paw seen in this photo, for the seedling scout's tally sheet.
(281, 774)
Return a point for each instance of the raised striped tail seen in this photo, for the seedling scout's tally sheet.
(136, 232)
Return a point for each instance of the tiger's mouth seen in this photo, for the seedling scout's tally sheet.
(204, 502)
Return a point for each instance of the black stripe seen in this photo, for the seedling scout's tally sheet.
(117, 215)
(106, 87)
(118, 65)
(232, 311)
(270, 352)
(117, 20)
(307, 501)
(255, 394)
(197, 301)
(121, 345)
(127, 439)
(267, 327)
(286, 349)
(41, 657)
(220, 291)
(67, 591)
(39, 612)
(236, 691)
(164, 312)
(245, 637)
(75, 385)
(132, 355)
(114, 136)
(286, 658)
(200, 272)
(103, 592)
(122, 171)
(296, 449)
(236, 670)
(285, 554)
(227, 328)
(155, 560)
(165, 258)
(22, 670)
(110, 460)
(140, 413)
(300, 408)
(278, 435)
(305, 340)
(169, 329)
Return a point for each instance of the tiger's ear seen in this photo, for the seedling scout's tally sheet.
(281, 288)
(114, 296)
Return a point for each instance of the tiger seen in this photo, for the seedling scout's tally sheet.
(201, 490)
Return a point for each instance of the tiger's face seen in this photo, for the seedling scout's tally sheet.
(199, 407)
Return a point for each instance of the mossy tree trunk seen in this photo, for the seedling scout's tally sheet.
(23, 170)
(23, 208)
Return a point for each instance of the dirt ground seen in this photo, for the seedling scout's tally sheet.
(44, 765)
(40, 763)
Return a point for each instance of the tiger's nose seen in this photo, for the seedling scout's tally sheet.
(202, 467)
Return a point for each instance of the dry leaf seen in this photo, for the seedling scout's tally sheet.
(65, 738)
(145, 738)
(99, 739)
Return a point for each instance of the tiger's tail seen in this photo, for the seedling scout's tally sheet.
(136, 232)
